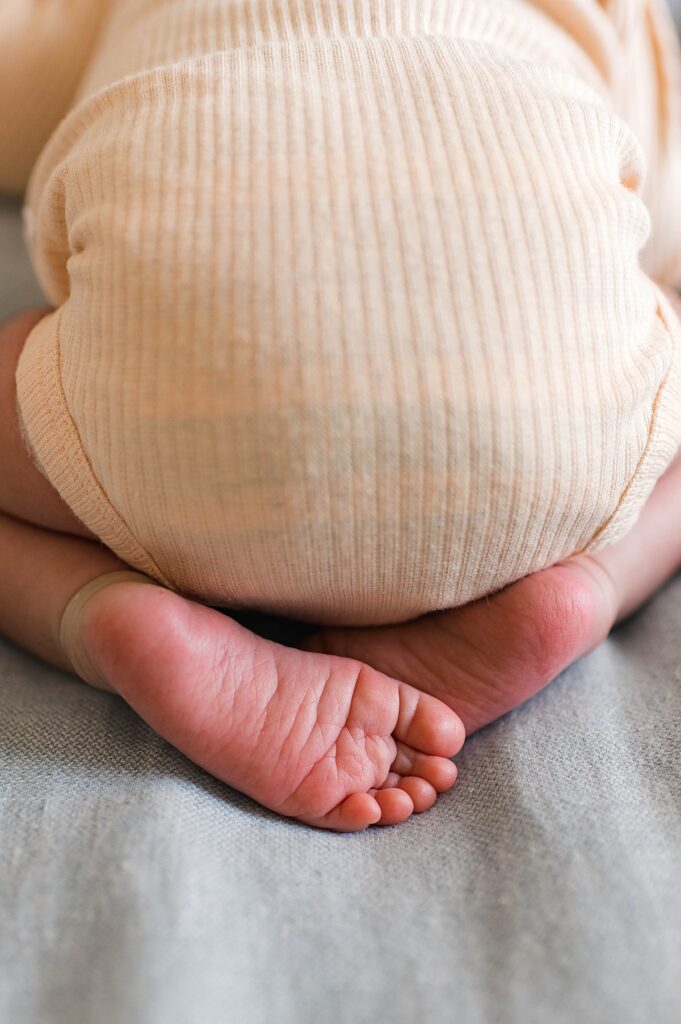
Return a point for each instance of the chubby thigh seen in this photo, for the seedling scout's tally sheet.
(25, 493)
(348, 329)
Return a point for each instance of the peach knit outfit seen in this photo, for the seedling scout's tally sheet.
(359, 304)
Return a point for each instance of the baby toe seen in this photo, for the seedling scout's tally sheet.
(355, 813)
(440, 772)
(396, 806)
(427, 724)
(391, 781)
(421, 793)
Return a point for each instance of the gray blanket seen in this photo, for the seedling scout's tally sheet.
(135, 889)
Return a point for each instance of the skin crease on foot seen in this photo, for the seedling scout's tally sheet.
(314, 734)
(323, 739)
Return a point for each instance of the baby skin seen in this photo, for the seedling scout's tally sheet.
(358, 728)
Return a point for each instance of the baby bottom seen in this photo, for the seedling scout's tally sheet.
(352, 335)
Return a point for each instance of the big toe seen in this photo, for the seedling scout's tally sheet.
(427, 724)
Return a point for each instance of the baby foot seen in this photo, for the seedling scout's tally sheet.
(323, 739)
(490, 656)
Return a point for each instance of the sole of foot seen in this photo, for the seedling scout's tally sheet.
(313, 736)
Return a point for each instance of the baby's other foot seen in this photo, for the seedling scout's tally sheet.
(490, 656)
(320, 738)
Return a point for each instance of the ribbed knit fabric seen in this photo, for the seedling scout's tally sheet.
(352, 319)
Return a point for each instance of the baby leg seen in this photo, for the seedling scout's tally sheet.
(24, 491)
(323, 739)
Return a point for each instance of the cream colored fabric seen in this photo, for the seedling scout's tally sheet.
(352, 320)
